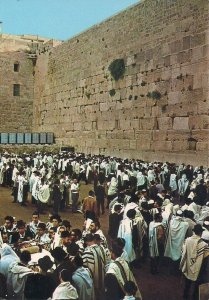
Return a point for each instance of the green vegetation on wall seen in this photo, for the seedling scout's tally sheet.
(117, 68)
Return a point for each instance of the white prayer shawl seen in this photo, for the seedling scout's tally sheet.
(151, 175)
(83, 283)
(22, 181)
(35, 187)
(8, 257)
(65, 291)
(120, 269)
(2, 171)
(94, 258)
(1, 241)
(14, 173)
(172, 183)
(31, 182)
(44, 193)
(16, 279)
(193, 253)
(176, 236)
(153, 244)
(204, 213)
(183, 185)
(131, 205)
(112, 189)
(196, 209)
(140, 179)
(125, 232)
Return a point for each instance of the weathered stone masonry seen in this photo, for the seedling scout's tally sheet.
(165, 47)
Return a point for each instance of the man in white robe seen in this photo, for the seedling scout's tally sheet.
(176, 235)
(65, 289)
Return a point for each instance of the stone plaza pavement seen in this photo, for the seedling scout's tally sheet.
(163, 286)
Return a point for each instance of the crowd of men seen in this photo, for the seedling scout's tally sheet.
(156, 211)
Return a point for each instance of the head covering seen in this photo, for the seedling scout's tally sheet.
(8, 257)
(205, 235)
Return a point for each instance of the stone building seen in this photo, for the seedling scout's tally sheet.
(156, 110)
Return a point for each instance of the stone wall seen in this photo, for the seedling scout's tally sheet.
(164, 44)
(16, 111)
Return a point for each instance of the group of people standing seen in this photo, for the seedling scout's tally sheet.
(157, 212)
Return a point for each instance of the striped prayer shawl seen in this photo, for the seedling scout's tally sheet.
(94, 258)
(120, 269)
(153, 244)
(194, 250)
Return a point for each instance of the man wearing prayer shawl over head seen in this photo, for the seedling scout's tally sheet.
(177, 229)
(8, 257)
(132, 229)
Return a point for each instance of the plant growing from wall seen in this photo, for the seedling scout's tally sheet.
(88, 95)
(117, 68)
(112, 92)
(154, 95)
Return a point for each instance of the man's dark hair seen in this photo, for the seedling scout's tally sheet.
(91, 193)
(78, 261)
(66, 223)
(35, 213)
(59, 254)
(116, 249)
(73, 249)
(131, 213)
(9, 218)
(65, 275)
(25, 256)
(65, 234)
(20, 224)
(42, 226)
(78, 233)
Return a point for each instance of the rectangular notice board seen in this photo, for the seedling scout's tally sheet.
(50, 137)
(35, 138)
(4, 138)
(28, 138)
(20, 138)
(12, 138)
(43, 138)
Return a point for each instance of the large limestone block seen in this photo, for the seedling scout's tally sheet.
(181, 123)
(133, 144)
(165, 123)
(143, 144)
(161, 146)
(142, 135)
(159, 135)
(174, 97)
(106, 125)
(148, 123)
(180, 145)
(125, 124)
(178, 135)
(202, 146)
(199, 122)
